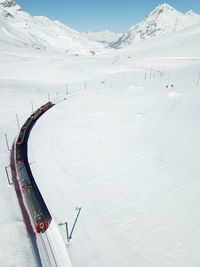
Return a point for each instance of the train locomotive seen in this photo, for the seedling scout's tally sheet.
(27, 185)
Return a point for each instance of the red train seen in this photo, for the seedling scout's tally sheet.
(35, 209)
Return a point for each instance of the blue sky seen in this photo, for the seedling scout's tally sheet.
(97, 15)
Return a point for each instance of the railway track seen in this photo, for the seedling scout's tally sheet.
(50, 258)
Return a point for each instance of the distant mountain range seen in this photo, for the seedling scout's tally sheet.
(106, 36)
(20, 28)
(162, 20)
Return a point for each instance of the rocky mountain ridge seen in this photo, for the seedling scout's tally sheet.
(22, 29)
(162, 20)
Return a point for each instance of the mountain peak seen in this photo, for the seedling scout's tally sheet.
(165, 7)
(162, 20)
(162, 8)
(9, 4)
(192, 13)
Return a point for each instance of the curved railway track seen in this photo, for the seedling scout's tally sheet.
(48, 251)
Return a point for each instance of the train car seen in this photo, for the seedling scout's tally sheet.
(19, 146)
(27, 123)
(19, 153)
(20, 140)
(22, 132)
(41, 110)
(35, 209)
(36, 212)
(21, 136)
(46, 106)
(35, 115)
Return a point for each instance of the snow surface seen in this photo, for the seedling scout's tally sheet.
(126, 153)
(124, 146)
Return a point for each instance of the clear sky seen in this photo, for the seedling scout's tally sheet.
(97, 15)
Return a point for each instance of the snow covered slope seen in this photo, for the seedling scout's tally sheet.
(20, 28)
(162, 20)
(103, 36)
(184, 43)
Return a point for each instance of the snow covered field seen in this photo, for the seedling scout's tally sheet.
(122, 146)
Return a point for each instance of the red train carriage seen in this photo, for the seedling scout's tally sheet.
(35, 209)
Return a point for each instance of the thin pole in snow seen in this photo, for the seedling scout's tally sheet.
(73, 227)
(17, 121)
(150, 74)
(32, 106)
(69, 237)
(67, 90)
(6, 169)
(85, 86)
(67, 231)
(6, 137)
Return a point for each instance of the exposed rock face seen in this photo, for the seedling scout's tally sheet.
(7, 3)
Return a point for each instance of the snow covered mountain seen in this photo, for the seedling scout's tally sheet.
(103, 36)
(162, 20)
(20, 28)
